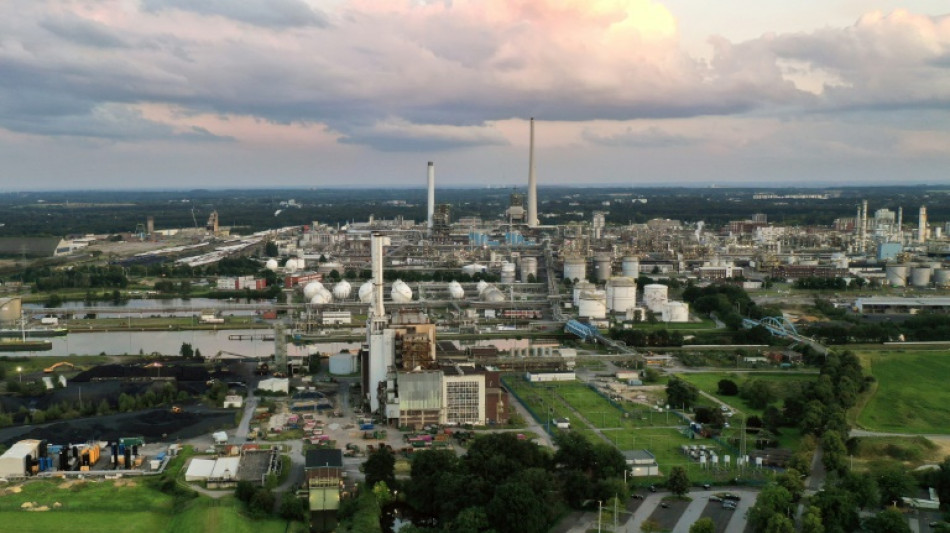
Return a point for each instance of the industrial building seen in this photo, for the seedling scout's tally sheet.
(323, 471)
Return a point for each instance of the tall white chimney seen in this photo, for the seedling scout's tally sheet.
(376, 254)
(900, 224)
(922, 225)
(431, 194)
(864, 224)
(532, 183)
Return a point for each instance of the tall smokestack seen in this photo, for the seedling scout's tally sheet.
(532, 183)
(864, 224)
(376, 255)
(431, 194)
(900, 223)
(922, 225)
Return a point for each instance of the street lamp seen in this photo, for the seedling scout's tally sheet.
(600, 508)
(19, 370)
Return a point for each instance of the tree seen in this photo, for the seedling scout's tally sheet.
(887, 521)
(727, 387)
(758, 392)
(811, 520)
(650, 525)
(470, 520)
(779, 523)
(678, 482)
(863, 488)
(833, 452)
(292, 508)
(703, 525)
(270, 249)
(791, 480)
(709, 415)
(186, 350)
(773, 499)
(262, 503)
(838, 510)
(893, 482)
(651, 375)
(680, 393)
(516, 508)
(380, 466)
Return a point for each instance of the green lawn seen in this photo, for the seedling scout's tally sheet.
(910, 396)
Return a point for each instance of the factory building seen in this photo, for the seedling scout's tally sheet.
(323, 470)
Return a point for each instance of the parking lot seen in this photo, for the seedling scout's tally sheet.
(677, 516)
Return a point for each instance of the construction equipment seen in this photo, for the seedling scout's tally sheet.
(176, 409)
(59, 365)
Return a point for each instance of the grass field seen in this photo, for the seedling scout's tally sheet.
(125, 505)
(910, 394)
(709, 382)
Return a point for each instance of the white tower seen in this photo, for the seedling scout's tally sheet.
(922, 225)
(532, 183)
(431, 210)
(381, 340)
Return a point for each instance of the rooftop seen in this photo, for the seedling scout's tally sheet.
(324, 458)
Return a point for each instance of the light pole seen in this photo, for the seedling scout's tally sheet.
(19, 371)
(600, 508)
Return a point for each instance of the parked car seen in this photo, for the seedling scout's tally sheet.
(729, 505)
(731, 496)
(715, 499)
(664, 505)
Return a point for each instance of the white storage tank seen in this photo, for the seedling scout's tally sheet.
(580, 287)
(481, 286)
(366, 292)
(675, 312)
(400, 293)
(456, 291)
(10, 310)
(896, 275)
(272, 265)
(291, 266)
(575, 269)
(941, 277)
(342, 364)
(493, 295)
(342, 290)
(630, 266)
(310, 289)
(593, 304)
(321, 297)
(920, 276)
(508, 273)
(602, 267)
(655, 296)
(529, 267)
(621, 294)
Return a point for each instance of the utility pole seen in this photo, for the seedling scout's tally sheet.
(600, 508)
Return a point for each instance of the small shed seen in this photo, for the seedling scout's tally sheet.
(13, 461)
(233, 400)
(641, 463)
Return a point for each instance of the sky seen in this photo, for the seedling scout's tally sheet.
(145, 94)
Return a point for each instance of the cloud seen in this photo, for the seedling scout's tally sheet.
(266, 13)
(396, 135)
(651, 137)
(83, 32)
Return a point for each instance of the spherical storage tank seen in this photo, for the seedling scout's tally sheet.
(342, 290)
(602, 266)
(508, 273)
(593, 304)
(456, 291)
(493, 295)
(896, 275)
(941, 277)
(529, 267)
(621, 294)
(675, 312)
(343, 363)
(400, 293)
(291, 265)
(366, 292)
(10, 310)
(482, 285)
(322, 297)
(920, 276)
(310, 289)
(630, 266)
(655, 296)
(272, 265)
(575, 268)
(580, 287)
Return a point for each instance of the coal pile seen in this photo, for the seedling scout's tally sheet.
(179, 372)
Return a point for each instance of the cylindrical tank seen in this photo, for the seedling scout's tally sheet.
(621, 294)
(366, 292)
(575, 268)
(580, 287)
(630, 266)
(593, 304)
(493, 295)
(400, 293)
(896, 275)
(342, 363)
(675, 312)
(456, 291)
(920, 276)
(272, 265)
(529, 267)
(342, 290)
(310, 289)
(481, 286)
(10, 310)
(321, 297)
(941, 277)
(655, 296)
(508, 273)
(840, 260)
(602, 267)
